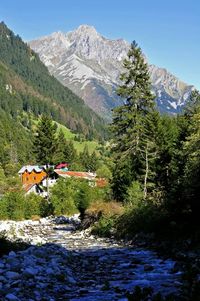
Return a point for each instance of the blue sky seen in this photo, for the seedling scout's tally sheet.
(168, 31)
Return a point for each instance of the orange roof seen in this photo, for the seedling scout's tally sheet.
(76, 174)
(27, 187)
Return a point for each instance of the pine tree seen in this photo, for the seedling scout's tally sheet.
(93, 162)
(192, 166)
(70, 153)
(128, 119)
(65, 151)
(131, 127)
(59, 155)
(85, 158)
(45, 142)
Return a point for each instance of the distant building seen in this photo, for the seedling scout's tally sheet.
(62, 166)
(75, 174)
(34, 177)
(32, 174)
(90, 176)
(34, 188)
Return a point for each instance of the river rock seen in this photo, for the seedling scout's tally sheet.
(30, 272)
(11, 297)
(12, 275)
(76, 266)
(148, 267)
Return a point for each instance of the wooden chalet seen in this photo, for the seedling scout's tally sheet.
(32, 174)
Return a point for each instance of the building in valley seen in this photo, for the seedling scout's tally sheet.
(34, 178)
(32, 174)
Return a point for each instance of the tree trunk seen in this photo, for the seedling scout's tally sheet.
(47, 188)
(47, 170)
(146, 172)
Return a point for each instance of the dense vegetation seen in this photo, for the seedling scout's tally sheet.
(156, 162)
(14, 141)
(67, 197)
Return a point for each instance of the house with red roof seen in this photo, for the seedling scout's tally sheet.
(34, 177)
(62, 166)
(75, 174)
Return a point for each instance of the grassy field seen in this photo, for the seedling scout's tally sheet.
(79, 145)
(69, 135)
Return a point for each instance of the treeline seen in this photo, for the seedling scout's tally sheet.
(31, 88)
(156, 167)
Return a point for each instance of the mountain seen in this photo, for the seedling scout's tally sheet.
(90, 65)
(27, 86)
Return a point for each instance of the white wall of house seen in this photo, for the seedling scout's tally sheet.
(33, 189)
(51, 182)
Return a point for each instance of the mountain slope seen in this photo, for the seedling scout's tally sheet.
(90, 65)
(28, 86)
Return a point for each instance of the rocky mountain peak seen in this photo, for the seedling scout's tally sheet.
(83, 31)
(91, 64)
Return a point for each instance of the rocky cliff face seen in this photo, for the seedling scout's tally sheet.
(90, 65)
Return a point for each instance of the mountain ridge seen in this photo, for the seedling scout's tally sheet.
(90, 65)
(43, 93)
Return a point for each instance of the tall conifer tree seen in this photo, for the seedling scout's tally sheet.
(45, 142)
(61, 144)
(130, 121)
(138, 101)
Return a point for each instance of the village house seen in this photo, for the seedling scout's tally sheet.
(32, 174)
(89, 176)
(34, 178)
(34, 188)
(76, 174)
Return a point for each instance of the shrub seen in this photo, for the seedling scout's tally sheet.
(83, 196)
(135, 195)
(15, 202)
(46, 208)
(3, 209)
(110, 211)
(62, 197)
(107, 209)
(15, 206)
(104, 172)
(101, 193)
(32, 205)
(146, 218)
(104, 226)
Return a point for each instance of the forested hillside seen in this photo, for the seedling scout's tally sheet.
(14, 140)
(26, 85)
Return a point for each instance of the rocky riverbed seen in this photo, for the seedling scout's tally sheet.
(63, 263)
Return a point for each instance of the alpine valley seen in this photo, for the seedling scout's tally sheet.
(90, 65)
